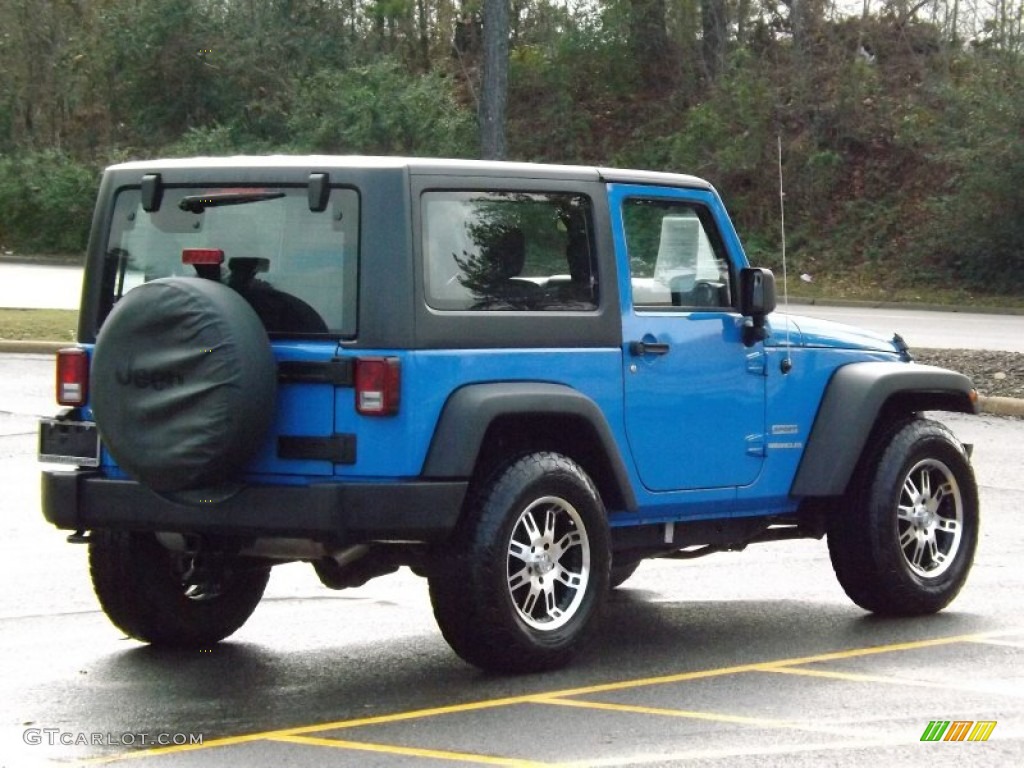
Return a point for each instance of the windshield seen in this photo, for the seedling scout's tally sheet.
(296, 267)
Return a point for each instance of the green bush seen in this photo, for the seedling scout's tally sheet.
(215, 140)
(976, 229)
(380, 109)
(47, 201)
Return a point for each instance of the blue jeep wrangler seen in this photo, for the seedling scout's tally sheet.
(518, 380)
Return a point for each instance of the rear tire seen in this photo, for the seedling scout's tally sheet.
(903, 541)
(523, 581)
(140, 587)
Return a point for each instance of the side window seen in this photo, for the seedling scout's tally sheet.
(509, 251)
(675, 256)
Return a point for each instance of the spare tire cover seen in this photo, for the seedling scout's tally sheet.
(183, 383)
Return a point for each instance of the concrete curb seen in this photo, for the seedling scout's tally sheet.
(997, 406)
(1001, 406)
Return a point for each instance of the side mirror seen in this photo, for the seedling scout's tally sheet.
(757, 301)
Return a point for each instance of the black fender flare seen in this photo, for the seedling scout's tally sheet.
(855, 397)
(470, 411)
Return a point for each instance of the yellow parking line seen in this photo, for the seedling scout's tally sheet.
(994, 641)
(392, 749)
(664, 712)
(415, 714)
(228, 741)
(910, 645)
(855, 677)
(763, 666)
(547, 697)
(904, 681)
(829, 753)
(759, 722)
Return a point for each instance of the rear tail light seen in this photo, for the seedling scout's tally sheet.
(72, 376)
(378, 384)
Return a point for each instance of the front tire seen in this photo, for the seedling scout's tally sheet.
(621, 573)
(524, 580)
(903, 542)
(141, 587)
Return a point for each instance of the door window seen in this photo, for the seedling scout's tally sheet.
(675, 256)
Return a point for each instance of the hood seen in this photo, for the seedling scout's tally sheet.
(812, 332)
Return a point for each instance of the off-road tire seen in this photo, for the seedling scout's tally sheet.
(903, 539)
(139, 586)
(622, 573)
(494, 589)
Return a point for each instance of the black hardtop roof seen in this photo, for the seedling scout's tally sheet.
(416, 167)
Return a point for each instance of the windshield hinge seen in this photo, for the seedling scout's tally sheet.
(152, 192)
(319, 191)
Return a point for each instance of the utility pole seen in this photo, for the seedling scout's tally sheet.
(494, 96)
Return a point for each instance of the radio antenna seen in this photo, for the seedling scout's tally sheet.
(787, 363)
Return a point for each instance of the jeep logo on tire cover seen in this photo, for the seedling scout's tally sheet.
(142, 378)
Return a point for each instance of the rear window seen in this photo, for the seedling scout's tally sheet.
(488, 250)
(296, 267)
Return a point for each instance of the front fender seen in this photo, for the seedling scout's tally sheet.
(855, 398)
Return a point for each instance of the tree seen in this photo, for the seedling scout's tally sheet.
(804, 15)
(715, 29)
(648, 39)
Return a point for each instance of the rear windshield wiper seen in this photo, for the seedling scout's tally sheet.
(199, 203)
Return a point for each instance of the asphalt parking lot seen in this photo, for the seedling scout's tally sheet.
(752, 658)
(796, 710)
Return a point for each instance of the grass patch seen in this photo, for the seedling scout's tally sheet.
(38, 324)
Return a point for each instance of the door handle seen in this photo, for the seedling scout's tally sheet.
(640, 348)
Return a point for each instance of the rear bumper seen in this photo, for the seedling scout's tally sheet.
(345, 513)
